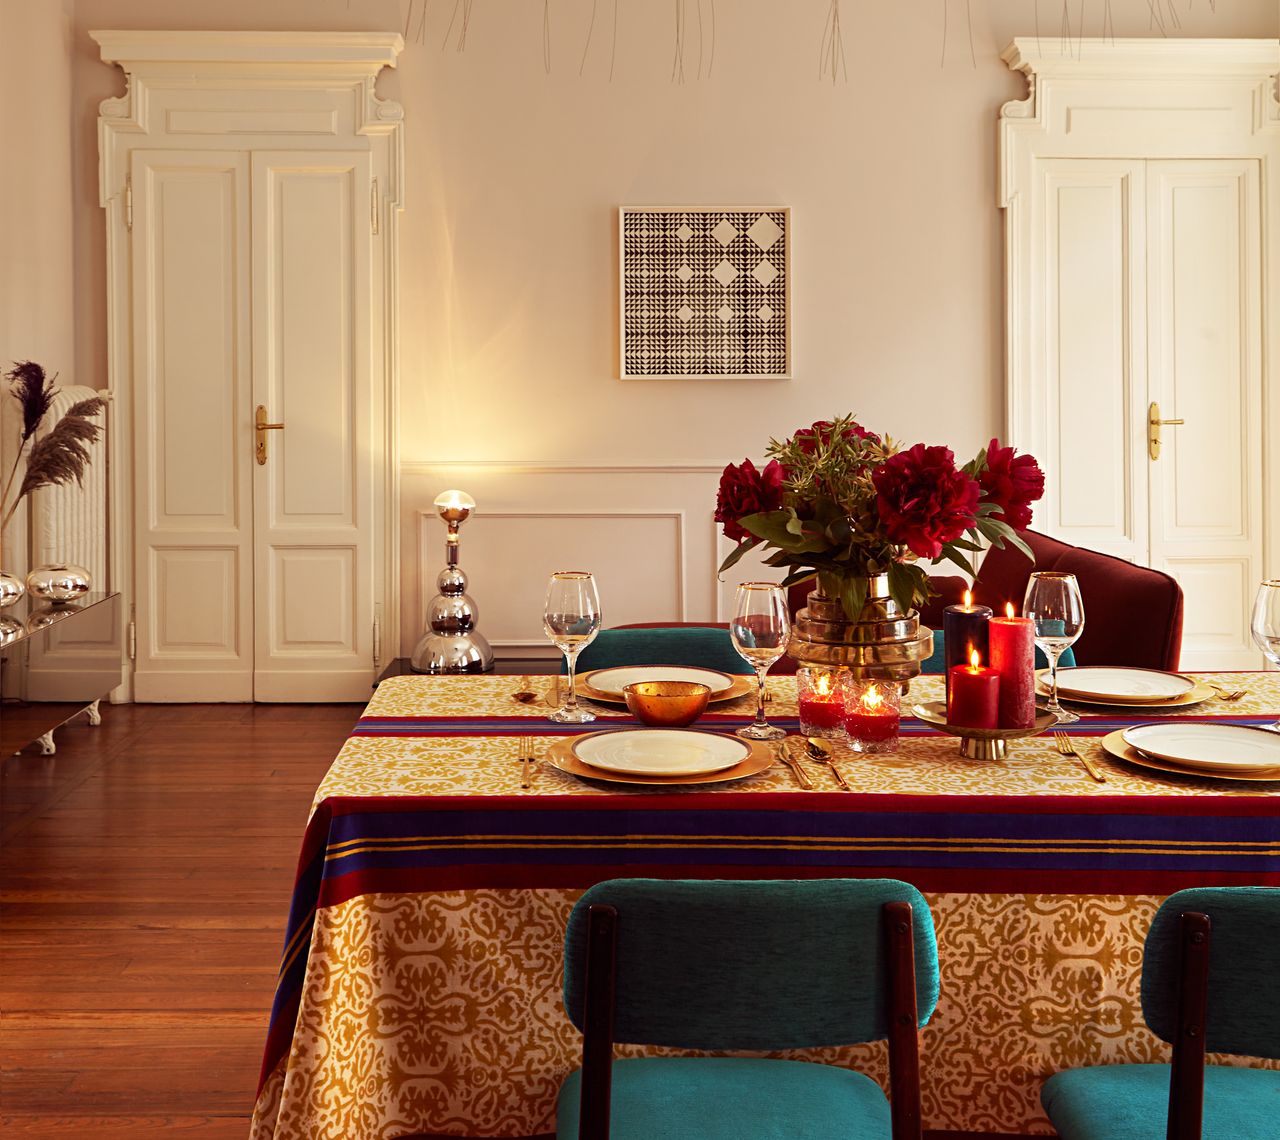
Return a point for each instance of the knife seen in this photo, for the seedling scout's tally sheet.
(802, 777)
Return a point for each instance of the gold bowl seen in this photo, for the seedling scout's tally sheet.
(667, 704)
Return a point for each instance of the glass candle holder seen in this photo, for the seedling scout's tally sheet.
(872, 710)
(820, 694)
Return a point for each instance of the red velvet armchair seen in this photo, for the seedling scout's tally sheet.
(1133, 615)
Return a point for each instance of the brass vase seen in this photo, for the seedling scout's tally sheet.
(886, 643)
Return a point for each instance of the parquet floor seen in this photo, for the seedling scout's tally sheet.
(145, 873)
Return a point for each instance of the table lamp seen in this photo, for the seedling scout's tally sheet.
(452, 643)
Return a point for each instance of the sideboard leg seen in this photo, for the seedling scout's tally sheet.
(47, 746)
(95, 717)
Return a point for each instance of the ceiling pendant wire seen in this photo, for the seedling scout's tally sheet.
(699, 39)
(677, 61)
(546, 36)
(711, 59)
(968, 14)
(1108, 27)
(831, 55)
(943, 61)
(591, 27)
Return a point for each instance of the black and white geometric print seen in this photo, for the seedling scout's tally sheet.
(706, 293)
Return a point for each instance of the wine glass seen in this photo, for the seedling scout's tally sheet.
(760, 627)
(1266, 623)
(1054, 606)
(571, 618)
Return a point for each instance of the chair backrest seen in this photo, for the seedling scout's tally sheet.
(1244, 968)
(708, 647)
(713, 964)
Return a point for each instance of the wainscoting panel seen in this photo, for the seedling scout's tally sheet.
(646, 532)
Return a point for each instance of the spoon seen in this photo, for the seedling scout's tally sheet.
(526, 694)
(819, 749)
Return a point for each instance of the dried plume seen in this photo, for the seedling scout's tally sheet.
(33, 391)
(63, 454)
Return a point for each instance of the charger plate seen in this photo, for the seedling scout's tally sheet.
(607, 684)
(1200, 691)
(1114, 745)
(560, 755)
(661, 751)
(1207, 747)
(1124, 683)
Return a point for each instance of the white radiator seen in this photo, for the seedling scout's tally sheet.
(69, 523)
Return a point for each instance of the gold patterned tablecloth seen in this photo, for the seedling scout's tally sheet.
(439, 1011)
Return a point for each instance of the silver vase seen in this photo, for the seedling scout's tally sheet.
(11, 589)
(58, 583)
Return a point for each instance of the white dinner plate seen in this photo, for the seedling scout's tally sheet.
(660, 751)
(1207, 747)
(1120, 683)
(614, 680)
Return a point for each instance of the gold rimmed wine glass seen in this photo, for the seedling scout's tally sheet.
(1265, 623)
(1055, 608)
(571, 619)
(760, 627)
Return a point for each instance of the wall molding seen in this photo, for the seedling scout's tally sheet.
(555, 467)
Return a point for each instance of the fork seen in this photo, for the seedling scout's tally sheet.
(526, 756)
(1063, 742)
(1229, 694)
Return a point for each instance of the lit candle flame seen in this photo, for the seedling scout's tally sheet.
(1008, 609)
(871, 698)
(974, 659)
(822, 684)
(968, 599)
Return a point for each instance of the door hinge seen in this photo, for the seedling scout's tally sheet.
(373, 207)
(133, 640)
(377, 639)
(128, 202)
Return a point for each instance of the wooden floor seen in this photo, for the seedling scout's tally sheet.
(145, 874)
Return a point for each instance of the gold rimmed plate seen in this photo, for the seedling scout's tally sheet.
(607, 684)
(1114, 744)
(561, 755)
(1199, 691)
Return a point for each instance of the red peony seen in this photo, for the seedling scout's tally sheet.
(923, 500)
(808, 439)
(746, 491)
(1012, 483)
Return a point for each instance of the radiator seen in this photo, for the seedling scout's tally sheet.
(69, 523)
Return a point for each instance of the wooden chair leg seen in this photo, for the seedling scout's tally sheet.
(1186, 1076)
(904, 1038)
(597, 1021)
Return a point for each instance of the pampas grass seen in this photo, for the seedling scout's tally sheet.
(58, 457)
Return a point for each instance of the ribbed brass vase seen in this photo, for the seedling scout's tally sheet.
(886, 643)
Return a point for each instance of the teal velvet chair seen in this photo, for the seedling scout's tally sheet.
(1210, 980)
(936, 661)
(757, 965)
(708, 647)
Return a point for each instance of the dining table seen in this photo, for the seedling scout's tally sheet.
(420, 982)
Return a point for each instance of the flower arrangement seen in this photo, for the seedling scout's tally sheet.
(843, 504)
(59, 456)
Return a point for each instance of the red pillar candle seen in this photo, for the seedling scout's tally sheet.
(1013, 656)
(974, 698)
(964, 629)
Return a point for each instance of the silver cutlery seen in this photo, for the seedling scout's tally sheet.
(1066, 748)
(820, 750)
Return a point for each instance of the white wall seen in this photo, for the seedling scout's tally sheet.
(509, 283)
(36, 264)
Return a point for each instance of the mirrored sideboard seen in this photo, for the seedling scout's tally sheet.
(56, 661)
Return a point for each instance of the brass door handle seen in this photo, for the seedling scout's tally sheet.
(1154, 423)
(260, 429)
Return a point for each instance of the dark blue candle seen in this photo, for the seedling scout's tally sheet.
(964, 627)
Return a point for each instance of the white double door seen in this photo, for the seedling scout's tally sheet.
(251, 287)
(1152, 274)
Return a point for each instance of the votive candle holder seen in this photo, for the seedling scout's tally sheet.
(820, 695)
(872, 715)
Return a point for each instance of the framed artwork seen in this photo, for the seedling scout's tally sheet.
(705, 293)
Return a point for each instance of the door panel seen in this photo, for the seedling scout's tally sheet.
(193, 552)
(312, 370)
(1091, 249)
(1204, 337)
